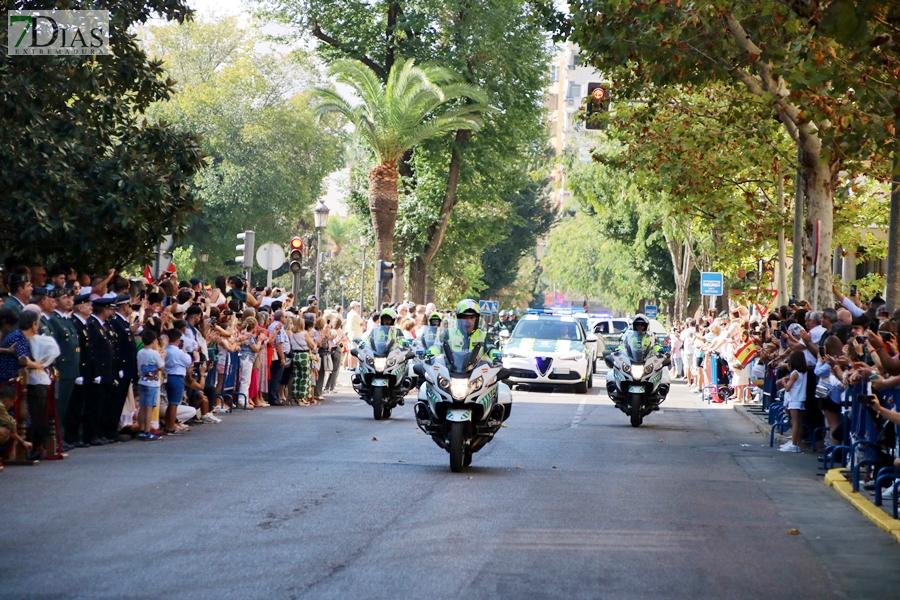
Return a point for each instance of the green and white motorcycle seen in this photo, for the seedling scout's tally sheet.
(381, 379)
(462, 400)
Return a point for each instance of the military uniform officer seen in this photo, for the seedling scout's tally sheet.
(40, 296)
(101, 370)
(68, 362)
(125, 369)
(74, 417)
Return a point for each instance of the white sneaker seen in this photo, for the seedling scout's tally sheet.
(787, 443)
(210, 418)
(789, 448)
(888, 492)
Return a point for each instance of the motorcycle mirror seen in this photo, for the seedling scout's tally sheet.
(410, 355)
(419, 370)
(354, 352)
(503, 374)
(667, 361)
(608, 359)
(591, 338)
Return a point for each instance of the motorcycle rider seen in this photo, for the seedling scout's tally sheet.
(500, 325)
(640, 326)
(388, 318)
(467, 334)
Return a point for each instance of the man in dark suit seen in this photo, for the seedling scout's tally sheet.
(74, 416)
(125, 369)
(68, 362)
(101, 371)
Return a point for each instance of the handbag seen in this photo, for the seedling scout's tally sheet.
(745, 354)
(822, 391)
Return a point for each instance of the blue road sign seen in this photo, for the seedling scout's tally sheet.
(650, 311)
(711, 284)
(489, 307)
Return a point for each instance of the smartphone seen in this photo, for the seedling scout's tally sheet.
(865, 400)
(885, 335)
(143, 295)
(852, 290)
(861, 339)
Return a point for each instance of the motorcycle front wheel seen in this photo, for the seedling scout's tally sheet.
(377, 403)
(457, 447)
(635, 411)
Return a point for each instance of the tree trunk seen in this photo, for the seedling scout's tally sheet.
(681, 269)
(417, 272)
(820, 183)
(383, 206)
(892, 295)
(399, 280)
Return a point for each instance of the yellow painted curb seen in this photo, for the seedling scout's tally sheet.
(843, 487)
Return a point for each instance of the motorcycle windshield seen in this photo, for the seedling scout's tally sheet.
(460, 353)
(381, 340)
(428, 337)
(635, 346)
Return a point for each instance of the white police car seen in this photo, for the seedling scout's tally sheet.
(549, 350)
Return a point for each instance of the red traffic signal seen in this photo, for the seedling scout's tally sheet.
(598, 94)
(297, 243)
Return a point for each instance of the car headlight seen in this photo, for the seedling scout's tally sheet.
(460, 388)
(572, 356)
(443, 383)
(637, 371)
(380, 364)
(513, 354)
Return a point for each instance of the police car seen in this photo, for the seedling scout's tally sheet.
(550, 350)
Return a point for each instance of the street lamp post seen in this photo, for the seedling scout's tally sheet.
(343, 281)
(327, 288)
(362, 274)
(321, 219)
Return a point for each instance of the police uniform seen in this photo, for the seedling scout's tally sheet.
(67, 364)
(125, 351)
(74, 415)
(100, 379)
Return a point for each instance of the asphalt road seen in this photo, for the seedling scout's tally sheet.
(569, 501)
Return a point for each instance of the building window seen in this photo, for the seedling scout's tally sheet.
(574, 90)
(554, 74)
(552, 101)
(576, 60)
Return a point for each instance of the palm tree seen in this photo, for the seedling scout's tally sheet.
(393, 118)
(338, 232)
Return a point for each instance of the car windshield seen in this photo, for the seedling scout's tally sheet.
(635, 345)
(382, 339)
(548, 329)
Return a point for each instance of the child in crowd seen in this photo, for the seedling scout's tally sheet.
(177, 363)
(150, 365)
(8, 428)
(795, 398)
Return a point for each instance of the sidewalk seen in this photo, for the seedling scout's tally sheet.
(839, 479)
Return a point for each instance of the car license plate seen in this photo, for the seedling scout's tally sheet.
(379, 383)
(561, 371)
(635, 389)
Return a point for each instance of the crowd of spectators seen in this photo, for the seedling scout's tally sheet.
(808, 358)
(110, 359)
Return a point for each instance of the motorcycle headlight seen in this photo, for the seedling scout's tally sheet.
(380, 364)
(627, 367)
(637, 371)
(459, 388)
(392, 362)
(443, 383)
(370, 361)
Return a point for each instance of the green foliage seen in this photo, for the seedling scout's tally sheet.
(528, 219)
(414, 105)
(85, 179)
(268, 156)
(492, 45)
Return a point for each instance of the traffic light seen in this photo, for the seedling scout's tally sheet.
(384, 271)
(246, 249)
(296, 254)
(597, 102)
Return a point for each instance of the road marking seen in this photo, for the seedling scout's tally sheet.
(577, 418)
